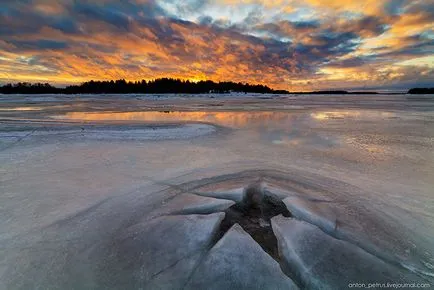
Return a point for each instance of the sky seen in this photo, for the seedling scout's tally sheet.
(285, 44)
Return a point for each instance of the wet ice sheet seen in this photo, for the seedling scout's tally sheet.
(64, 191)
(138, 133)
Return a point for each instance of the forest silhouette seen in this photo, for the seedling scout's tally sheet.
(158, 86)
(164, 86)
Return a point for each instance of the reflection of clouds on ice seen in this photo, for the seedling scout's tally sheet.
(301, 138)
(354, 114)
(280, 128)
(236, 119)
(230, 119)
(22, 109)
(371, 148)
(277, 127)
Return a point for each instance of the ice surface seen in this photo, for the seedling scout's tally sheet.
(315, 212)
(77, 173)
(159, 254)
(85, 133)
(320, 261)
(195, 204)
(237, 262)
(235, 194)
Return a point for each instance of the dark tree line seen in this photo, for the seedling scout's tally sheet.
(28, 88)
(421, 91)
(158, 86)
(163, 86)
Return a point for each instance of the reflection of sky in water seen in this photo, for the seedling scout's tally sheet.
(283, 128)
(22, 109)
(232, 119)
(301, 138)
(277, 127)
(354, 114)
(227, 119)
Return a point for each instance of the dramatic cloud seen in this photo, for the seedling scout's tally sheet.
(286, 44)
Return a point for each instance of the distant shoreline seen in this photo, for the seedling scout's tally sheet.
(174, 86)
(226, 93)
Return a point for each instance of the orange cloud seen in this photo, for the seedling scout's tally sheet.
(74, 41)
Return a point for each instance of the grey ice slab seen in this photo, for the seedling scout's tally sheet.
(317, 213)
(160, 254)
(156, 254)
(284, 193)
(235, 195)
(320, 261)
(238, 262)
(195, 204)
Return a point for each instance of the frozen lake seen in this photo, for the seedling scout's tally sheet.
(215, 192)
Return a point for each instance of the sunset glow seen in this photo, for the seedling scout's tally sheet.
(285, 44)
